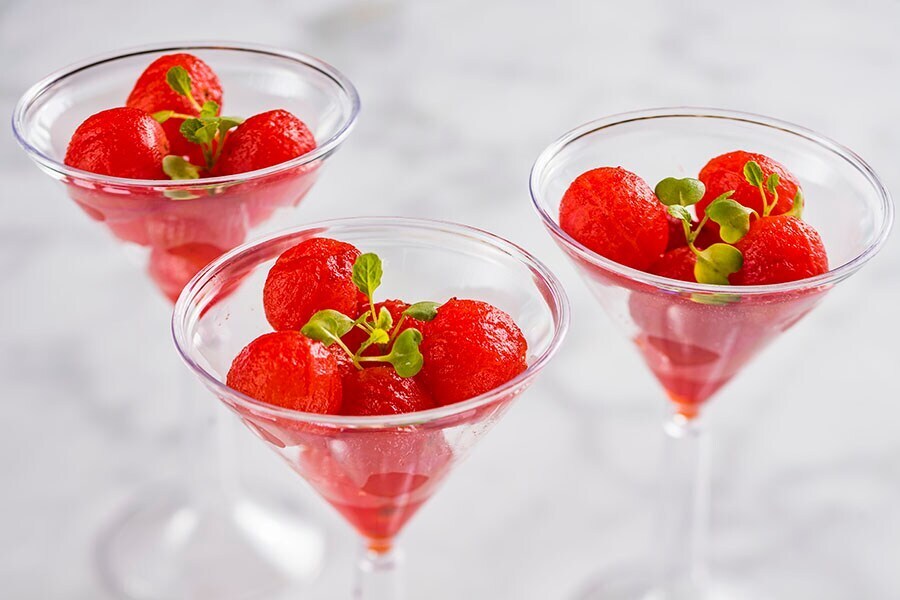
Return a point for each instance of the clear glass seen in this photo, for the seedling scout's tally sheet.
(200, 539)
(695, 338)
(375, 471)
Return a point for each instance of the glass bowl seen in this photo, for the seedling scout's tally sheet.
(185, 224)
(376, 471)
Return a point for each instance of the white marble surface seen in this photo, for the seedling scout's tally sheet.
(459, 98)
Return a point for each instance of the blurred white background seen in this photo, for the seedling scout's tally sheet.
(458, 99)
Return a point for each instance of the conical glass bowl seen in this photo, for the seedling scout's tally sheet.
(376, 471)
(695, 337)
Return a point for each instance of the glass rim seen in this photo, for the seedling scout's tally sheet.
(306, 61)
(183, 318)
(831, 276)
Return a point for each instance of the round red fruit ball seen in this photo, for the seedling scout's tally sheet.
(264, 140)
(152, 93)
(119, 142)
(287, 369)
(470, 348)
(726, 173)
(380, 391)
(676, 264)
(615, 213)
(780, 249)
(314, 275)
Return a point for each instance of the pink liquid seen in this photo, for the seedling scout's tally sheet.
(695, 348)
(694, 344)
(376, 478)
(185, 234)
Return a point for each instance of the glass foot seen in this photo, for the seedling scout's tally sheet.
(638, 584)
(164, 548)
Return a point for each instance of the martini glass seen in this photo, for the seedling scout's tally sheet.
(199, 539)
(694, 338)
(375, 471)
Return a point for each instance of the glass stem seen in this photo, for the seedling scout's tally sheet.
(378, 575)
(684, 511)
(211, 479)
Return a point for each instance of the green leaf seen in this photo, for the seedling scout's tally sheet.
(361, 320)
(178, 79)
(405, 355)
(226, 123)
(379, 336)
(229, 122)
(797, 206)
(715, 299)
(327, 326)
(207, 133)
(680, 213)
(376, 336)
(422, 311)
(163, 115)
(178, 168)
(733, 218)
(180, 194)
(716, 263)
(209, 110)
(384, 320)
(367, 273)
(200, 131)
(772, 184)
(189, 130)
(680, 192)
(753, 173)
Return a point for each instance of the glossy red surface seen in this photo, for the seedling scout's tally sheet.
(151, 93)
(615, 213)
(380, 391)
(264, 140)
(314, 275)
(470, 348)
(119, 142)
(780, 249)
(287, 369)
(726, 173)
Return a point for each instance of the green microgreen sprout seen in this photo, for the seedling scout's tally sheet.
(680, 192)
(180, 81)
(207, 129)
(328, 326)
(404, 355)
(732, 217)
(767, 186)
(401, 346)
(715, 263)
(421, 311)
(677, 195)
(367, 272)
(797, 206)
